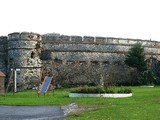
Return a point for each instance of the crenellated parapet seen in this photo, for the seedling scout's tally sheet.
(97, 40)
(96, 48)
(24, 40)
(25, 36)
(22, 46)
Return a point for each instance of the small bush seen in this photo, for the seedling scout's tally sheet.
(80, 90)
(124, 90)
(100, 89)
(110, 89)
(127, 90)
(86, 89)
(92, 90)
(148, 77)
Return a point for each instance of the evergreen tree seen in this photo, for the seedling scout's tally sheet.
(136, 58)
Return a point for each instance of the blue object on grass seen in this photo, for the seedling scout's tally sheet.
(46, 84)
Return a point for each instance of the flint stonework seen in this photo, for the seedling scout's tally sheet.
(75, 60)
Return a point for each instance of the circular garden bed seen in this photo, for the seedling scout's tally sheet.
(100, 91)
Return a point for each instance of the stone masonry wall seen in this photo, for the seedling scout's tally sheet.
(76, 59)
(3, 54)
(96, 57)
(23, 54)
(94, 48)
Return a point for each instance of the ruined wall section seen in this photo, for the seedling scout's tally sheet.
(23, 53)
(94, 48)
(3, 54)
(105, 55)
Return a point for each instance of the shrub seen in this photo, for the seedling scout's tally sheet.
(83, 89)
(124, 90)
(92, 90)
(87, 89)
(127, 90)
(100, 89)
(148, 77)
(110, 89)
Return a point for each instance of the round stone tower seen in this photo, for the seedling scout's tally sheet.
(23, 55)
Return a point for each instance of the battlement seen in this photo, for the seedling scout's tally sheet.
(57, 38)
(24, 35)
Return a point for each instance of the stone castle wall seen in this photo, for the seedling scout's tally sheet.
(77, 59)
(105, 56)
(94, 48)
(23, 53)
(3, 54)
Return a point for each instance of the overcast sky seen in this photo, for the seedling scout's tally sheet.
(108, 18)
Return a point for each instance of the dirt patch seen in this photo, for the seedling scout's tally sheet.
(75, 110)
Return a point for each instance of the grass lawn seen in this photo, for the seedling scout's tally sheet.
(143, 105)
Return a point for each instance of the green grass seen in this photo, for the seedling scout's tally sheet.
(143, 105)
(29, 97)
